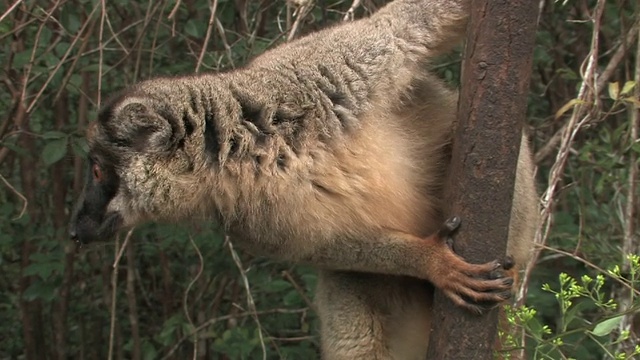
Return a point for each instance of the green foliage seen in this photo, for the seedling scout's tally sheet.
(61, 59)
(587, 321)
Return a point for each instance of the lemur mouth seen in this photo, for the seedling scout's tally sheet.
(110, 225)
(85, 231)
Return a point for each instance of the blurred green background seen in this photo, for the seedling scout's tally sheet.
(60, 59)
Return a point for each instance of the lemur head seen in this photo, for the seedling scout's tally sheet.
(138, 165)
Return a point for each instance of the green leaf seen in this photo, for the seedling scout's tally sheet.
(43, 269)
(632, 101)
(40, 290)
(614, 90)
(54, 150)
(606, 327)
(21, 59)
(277, 286)
(191, 28)
(75, 81)
(149, 352)
(80, 146)
(292, 298)
(62, 48)
(73, 22)
(628, 86)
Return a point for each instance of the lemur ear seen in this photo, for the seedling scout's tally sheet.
(147, 127)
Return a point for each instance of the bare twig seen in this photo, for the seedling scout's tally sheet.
(349, 15)
(10, 9)
(300, 13)
(625, 297)
(602, 79)
(299, 289)
(579, 117)
(53, 72)
(591, 265)
(103, 15)
(228, 317)
(630, 245)
(174, 11)
(34, 51)
(114, 289)
(212, 16)
(617, 57)
(136, 350)
(72, 67)
(121, 249)
(25, 202)
(250, 303)
(225, 42)
(185, 298)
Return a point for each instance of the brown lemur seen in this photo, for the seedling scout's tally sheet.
(330, 150)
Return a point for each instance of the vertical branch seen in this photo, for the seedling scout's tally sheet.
(103, 15)
(185, 298)
(630, 242)
(113, 300)
(136, 352)
(59, 193)
(31, 311)
(167, 291)
(113, 335)
(83, 114)
(579, 117)
(491, 113)
(212, 16)
(250, 303)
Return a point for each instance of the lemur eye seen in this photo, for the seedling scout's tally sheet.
(97, 172)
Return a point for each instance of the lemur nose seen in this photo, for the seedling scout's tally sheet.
(73, 234)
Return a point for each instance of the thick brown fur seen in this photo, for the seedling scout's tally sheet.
(330, 150)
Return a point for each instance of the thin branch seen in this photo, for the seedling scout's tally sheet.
(114, 284)
(185, 298)
(250, 303)
(629, 244)
(103, 15)
(349, 15)
(300, 13)
(61, 62)
(591, 265)
(225, 42)
(604, 77)
(174, 11)
(121, 250)
(579, 117)
(212, 18)
(225, 318)
(630, 239)
(617, 57)
(25, 202)
(134, 322)
(10, 9)
(299, 289)
(32, 58)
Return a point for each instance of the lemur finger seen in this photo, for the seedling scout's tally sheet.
(458, 300)
(449, 227)
(508, 263)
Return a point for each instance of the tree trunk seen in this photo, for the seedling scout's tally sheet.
(491, 112)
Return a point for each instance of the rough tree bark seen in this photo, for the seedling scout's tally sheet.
(491, 113)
